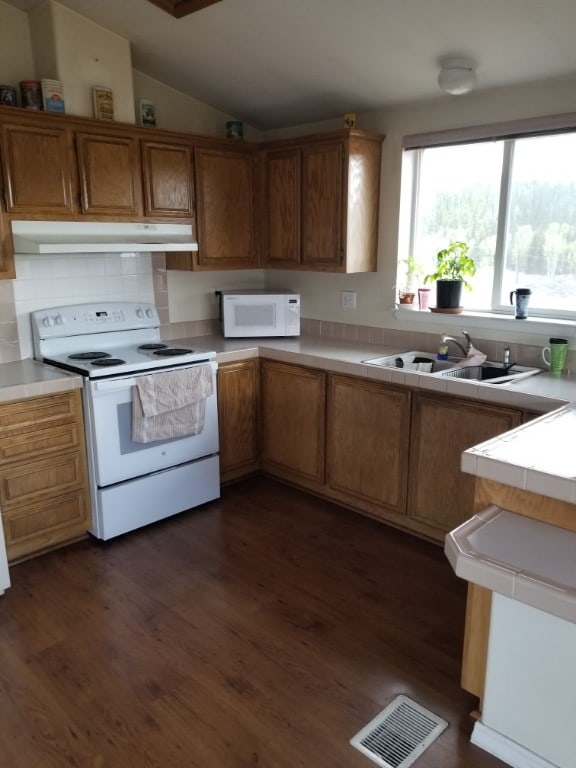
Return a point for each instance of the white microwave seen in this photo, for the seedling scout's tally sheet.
(260, 313)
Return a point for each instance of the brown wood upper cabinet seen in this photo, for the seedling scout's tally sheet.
(167, 176)
(321, 197)
(225, 207)
(37, 169)
(109, 174)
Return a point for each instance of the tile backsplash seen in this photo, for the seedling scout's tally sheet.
(50, 281)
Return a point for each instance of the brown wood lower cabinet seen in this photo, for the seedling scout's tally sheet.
(238, 416)
(293, 419)
(43, 473)
(368, 427)
(440, 495)
(385, 450)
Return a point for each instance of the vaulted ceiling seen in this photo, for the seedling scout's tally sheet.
(275, 63)
(179, 8)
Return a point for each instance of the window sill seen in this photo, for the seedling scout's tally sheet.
(532, 326)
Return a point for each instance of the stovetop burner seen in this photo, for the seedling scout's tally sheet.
(172, 352)
(151, 347)
(105, 361)
(88, 355)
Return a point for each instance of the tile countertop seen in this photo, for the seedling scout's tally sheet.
(29, 378)
(516, 458)
(542, 393)
(535, 457)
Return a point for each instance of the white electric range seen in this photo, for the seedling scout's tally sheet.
(112, 344)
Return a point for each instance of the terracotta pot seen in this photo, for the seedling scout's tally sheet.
(406, 298)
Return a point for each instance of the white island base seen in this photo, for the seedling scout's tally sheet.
(529, 707)
(528, 715)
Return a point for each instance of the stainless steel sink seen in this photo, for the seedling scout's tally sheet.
(423, 362)
(491, 373)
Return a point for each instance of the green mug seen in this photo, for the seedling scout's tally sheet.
(555, 355)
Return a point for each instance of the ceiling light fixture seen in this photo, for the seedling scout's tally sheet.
(457, 76)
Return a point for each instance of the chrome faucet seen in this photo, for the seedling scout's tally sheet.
(465, 350)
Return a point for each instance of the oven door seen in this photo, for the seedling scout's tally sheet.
(113, 455)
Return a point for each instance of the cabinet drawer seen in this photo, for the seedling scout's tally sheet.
(24, 482)
(28, 414)
(33, 445)
(45, 523)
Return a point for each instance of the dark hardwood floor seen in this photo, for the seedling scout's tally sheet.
(260, 631)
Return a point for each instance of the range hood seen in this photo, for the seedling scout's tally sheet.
(99, 237)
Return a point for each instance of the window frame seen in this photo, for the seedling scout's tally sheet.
(507, 132)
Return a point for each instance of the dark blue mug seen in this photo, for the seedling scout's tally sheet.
(522, 300)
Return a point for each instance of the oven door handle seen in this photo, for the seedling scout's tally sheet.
(109, 385)
(114, 384)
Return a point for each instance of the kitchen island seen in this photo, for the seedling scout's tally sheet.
(518, 554)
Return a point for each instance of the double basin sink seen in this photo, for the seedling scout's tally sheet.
(425, 362)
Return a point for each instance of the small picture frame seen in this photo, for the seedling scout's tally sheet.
(147, 112)
(102, 103)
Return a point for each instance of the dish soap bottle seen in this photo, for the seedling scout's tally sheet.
(442, 351)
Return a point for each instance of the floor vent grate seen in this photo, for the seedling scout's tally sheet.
(399, 734)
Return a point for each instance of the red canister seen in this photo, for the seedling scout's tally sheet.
(31, 91)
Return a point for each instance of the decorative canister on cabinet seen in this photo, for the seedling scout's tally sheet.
(31, 91)
(8, 96)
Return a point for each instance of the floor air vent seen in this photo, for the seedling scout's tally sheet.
(399, 734)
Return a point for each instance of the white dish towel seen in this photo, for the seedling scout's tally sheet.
(170, 404)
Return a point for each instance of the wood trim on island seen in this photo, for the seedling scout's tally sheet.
(478, 608)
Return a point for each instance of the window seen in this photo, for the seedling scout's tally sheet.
(513, 200)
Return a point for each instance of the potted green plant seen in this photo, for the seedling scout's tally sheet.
(453, 266)
(407, 294)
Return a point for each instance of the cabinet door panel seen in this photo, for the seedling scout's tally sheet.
(440, 494)
(368, 433)
(238, 402)
(322, 214)
(293, 421)
(282, 196)
(167, 172)
(225, 209)
(37, 174)
(38, 526)
(109, 170)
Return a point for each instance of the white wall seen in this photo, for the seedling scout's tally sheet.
(16, 62)
(80, 53)
(189, 293)
(376, 292)
(179, 112)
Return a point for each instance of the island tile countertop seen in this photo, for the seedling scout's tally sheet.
(538, 457)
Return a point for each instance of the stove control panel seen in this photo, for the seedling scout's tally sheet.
(78, 319)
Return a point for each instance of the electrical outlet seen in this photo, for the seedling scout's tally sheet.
(214, 296)
(348, 299)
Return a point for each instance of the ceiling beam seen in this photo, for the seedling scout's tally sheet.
(180, 8)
